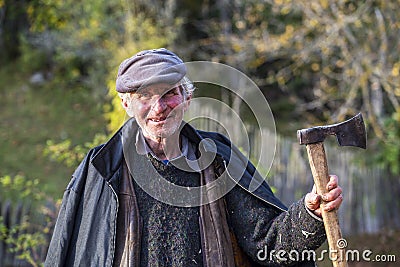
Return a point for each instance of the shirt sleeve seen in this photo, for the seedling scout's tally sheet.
(270, 236)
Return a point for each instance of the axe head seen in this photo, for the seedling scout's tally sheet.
(348, 133)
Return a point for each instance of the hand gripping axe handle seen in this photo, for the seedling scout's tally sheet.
(348, 133)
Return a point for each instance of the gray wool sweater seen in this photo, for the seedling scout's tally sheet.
(171, 234)
(269, 236)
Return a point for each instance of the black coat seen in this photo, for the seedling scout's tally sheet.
(85, 230)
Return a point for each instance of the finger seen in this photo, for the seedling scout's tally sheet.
(312, 201)
(333, 182)
(332, 195)
(335, 204)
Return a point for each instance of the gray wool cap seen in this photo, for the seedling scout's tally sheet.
(149, 67)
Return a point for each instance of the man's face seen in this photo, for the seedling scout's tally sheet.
(158, 109)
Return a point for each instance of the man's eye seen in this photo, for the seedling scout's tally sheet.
(171, 92)
(143, 95)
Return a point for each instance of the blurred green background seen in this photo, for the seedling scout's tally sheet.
(316, 62)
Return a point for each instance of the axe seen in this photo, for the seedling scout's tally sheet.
(348, 133)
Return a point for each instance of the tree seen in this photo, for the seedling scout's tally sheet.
(13, 23)
(320, 60)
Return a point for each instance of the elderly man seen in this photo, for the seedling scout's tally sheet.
(114, 210)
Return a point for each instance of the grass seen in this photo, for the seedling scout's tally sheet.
(32, 115)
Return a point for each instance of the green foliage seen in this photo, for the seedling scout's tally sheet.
(32, 115)
(78, 39)
(45, 15)
(68, 154)
(389, 154)
(31, 59)
(26, 237)
(19, 188)
(24, 245)
(113, 111)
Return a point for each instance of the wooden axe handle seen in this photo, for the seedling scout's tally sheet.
(319, 168)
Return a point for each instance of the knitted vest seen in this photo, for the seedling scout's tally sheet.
(216, 246)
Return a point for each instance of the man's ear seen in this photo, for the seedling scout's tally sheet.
(124, 100)
(187, 102)
(124, 103)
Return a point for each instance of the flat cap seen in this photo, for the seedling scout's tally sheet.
(149, 67)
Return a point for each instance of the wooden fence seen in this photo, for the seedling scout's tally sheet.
(11, 215)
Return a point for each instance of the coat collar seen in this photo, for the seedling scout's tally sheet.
(108, 159)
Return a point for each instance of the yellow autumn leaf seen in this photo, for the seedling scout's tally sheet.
(349, 72)
(313, 22)
(289, 29)
(324, 3)
(236, 47)
(315, 67)
(340, 63)
(285, 10)
(281, 80)
(94, 23)
(397, 91)
(396, 70)
(326, 70)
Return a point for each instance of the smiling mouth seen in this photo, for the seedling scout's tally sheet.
(158, 120)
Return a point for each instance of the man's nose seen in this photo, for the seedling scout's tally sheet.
(159, 104)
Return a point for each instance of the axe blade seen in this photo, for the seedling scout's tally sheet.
(348, 133)
(352, 132)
